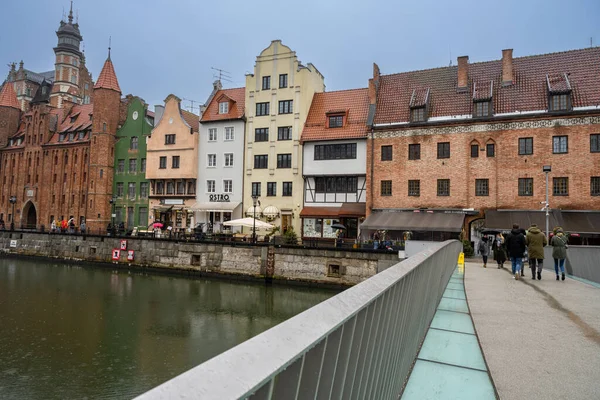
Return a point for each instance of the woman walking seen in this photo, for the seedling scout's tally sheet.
(499, 253)
(559, 251)
(484, 250)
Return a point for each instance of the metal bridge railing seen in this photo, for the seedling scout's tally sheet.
(359, 344)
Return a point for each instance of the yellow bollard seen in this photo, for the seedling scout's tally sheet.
(461, 262)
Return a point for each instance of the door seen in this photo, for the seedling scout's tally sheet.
(286, 222)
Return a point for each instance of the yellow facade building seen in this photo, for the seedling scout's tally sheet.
(278, 98)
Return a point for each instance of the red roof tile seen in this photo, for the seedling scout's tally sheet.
(529, 92)
(8, 97)
(107, 78)
(82, 121)
(191, 119)
(354, 101)
(237, 101)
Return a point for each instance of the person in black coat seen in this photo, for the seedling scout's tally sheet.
(515, 246)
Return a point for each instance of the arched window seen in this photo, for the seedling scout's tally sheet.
(55, 160)
(474, 149)
(66, 159)
(490, 148)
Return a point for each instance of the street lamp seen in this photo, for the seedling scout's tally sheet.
(12, 200)
(112, 214)
(255, 202)
(547, 169)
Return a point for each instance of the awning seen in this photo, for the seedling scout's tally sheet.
(353, 210)
(585, 222)
(214, 206)
(504, 219)
(345, 210)
(162, 208)
(414, 221)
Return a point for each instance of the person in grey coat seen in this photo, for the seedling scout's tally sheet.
(559, 251)
(484, 250)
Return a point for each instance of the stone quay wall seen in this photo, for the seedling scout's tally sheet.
(335, 267)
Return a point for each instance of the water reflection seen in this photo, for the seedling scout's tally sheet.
(73, 332)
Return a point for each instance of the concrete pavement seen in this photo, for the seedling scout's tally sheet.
(540, 339)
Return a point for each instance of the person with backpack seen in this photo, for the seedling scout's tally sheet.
(516, 245)
(536, 241)
(484, 250)
(559, 251)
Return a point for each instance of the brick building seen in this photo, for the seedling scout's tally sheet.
(56, 150)
(465, 139)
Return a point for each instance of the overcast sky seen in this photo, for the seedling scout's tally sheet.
(162, 47)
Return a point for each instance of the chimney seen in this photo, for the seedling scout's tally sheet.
(374, 84)
(463, 73)
(508, 76)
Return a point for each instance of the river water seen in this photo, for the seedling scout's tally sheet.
(77, 332)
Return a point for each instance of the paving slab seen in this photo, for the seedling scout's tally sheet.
(541, 339)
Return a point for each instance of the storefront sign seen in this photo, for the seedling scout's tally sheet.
(221, 198)
(174, 202)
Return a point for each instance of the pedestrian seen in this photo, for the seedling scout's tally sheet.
(82, 227)
(536, 241)
(499, 252)
(53, 226)
(484, 250)
(63, 226)
(559, 252)
(515, 245)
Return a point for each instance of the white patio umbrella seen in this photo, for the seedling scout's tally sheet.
(249, 222)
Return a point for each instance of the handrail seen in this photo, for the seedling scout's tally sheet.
(358, 344)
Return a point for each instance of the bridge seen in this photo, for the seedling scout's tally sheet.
(422, 329)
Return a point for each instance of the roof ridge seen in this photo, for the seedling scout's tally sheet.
(344, 90)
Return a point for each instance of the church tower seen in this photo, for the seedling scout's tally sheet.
(67, 63)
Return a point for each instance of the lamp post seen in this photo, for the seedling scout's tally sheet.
(112, 214)
(547, 169)
(255, 202)
(12, 200)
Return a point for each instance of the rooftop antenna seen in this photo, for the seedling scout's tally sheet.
(77, 17)
(591, 42)
(222, 74)
(191, 107)
(450, 54)
(63, 15)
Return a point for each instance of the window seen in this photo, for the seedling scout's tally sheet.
(170, 139)
(595, 143)
(229, 135)
(386, 188)
(525, 146)
(559, 102)
(490, 150)
(417, 114)
(284, 133)
(61, 137)
(414, 187)
(336, 121)
(482, 187)
(285, 106)
(229, 159)
(261, 135)
(180, 187)
(284, 161)
(443, 150)
(266, 82)
(560, 144)
(595, 185)
(143, 215)
(256, 189)
(131, 190)
(386, 153)
(414, 151)
(262, 109)
(191, 186)
(73, 80)
(271, 188)
(71, 136)
(223, 107)
(120, 166)
(212, 135)
(175, 162)
(227, 186)
(210, 186)
(482, 108)
(474, 150)
(144, 190)
(132, 165)
(261, 161)
(335, 151)
(133, 144)
(443, 187)
(143, 165)
(287, 189)
(560, 186)
(283, 81)
(212, 160)
(170, 188)
(81, 136)
(525, 186)
(160, 187)
(120, 189)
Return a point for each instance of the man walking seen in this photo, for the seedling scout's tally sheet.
(515, 245)
(536, 241)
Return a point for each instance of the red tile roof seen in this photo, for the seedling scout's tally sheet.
(354, 101)
(191, 119)
(237, 101)
(8, 97)
(107, 78)
(82, 121)
(529, 92)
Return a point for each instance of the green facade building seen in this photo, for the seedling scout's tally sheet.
(130, 187)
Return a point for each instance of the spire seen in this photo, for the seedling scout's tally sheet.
(107, 78)
(71, 13)
(109, 40)
(8, 97)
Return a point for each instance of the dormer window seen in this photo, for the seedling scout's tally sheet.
(482, 99)
(61, 137)
(224, 107)
(482, 109)
(74, 118)
(417, 114)
(419, 105)
(336, 121)
(559, 92)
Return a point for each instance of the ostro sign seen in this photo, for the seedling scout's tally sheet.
(219, 198)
